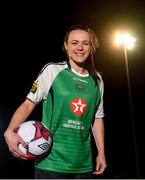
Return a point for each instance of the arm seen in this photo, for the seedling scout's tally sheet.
(98, 133)
(20, 115)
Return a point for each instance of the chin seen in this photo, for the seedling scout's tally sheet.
(80, 61)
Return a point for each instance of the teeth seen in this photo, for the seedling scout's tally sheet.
(79, 54)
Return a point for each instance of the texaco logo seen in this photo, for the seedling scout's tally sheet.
(78, 106)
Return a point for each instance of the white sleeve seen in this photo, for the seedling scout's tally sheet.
(100, 110)
(40, 86)
(43, 83)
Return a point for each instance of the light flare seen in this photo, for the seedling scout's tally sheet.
(124, 39)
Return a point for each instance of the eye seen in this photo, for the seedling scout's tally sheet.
(86, 43)
(74, 42)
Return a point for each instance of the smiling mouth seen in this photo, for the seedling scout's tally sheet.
(79, 54)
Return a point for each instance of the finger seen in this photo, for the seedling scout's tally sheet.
(97, 172)
(97, 167)
(18, 156)
(100, 170)
(18, 152)
(24, 144)
(21, 154)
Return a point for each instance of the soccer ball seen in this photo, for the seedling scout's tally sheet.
(37, 136)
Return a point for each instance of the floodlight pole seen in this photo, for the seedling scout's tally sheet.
(131, 112)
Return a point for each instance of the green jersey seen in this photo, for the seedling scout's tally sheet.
(71, 101)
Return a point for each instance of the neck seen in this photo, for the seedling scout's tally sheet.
(79, 68)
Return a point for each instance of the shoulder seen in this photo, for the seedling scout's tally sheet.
(99, 76)
(53, 66)
(100, 81)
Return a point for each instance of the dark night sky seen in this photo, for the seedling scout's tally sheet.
(32, 35)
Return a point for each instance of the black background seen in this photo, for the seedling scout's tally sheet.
(32, 35)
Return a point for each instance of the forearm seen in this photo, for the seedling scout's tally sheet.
(12, 139)
(98, 133)
(21, 114)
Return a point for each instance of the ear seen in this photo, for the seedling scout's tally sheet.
(65, 46)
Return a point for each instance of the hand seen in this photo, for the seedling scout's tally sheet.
(100, 164)
(13, 140)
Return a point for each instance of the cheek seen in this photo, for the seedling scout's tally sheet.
(88, 50)
(70, 50)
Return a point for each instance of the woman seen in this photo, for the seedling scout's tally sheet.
(72, 95)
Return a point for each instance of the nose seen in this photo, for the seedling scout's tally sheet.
(80, 47)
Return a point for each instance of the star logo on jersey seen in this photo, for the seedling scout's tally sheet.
(78, 106)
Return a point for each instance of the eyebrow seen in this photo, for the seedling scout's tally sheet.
(82, 41)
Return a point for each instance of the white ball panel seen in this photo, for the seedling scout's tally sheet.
(27, 131)
(21, 147)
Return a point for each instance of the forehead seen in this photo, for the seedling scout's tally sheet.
(79, 35)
